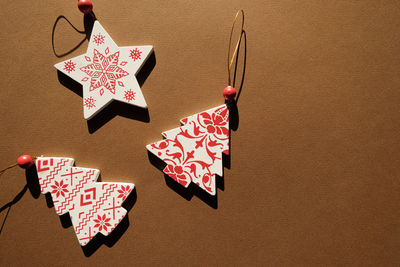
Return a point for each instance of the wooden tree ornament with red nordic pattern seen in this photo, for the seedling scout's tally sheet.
(94, 207)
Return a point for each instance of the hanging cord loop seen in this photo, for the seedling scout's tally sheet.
(231, 59)
(76, 29)
(229, 92)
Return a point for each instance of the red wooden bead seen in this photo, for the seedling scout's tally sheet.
(25, 161)
(85, 6)
(229, 93)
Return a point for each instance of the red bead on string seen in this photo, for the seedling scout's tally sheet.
(229, 93)
(85, 6)
(25, 161)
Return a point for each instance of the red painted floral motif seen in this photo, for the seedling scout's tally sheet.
(98, 39)
(69, 66)
(104, 71)
(59, 188)
(178, 173)
(129, 95)
(135, 54)
(102, 222)
(89, 102)
(193, 152)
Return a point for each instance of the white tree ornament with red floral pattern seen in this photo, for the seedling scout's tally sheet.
(193, 152)
(94, 207)
(107, 72)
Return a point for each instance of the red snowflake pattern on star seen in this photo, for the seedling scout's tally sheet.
(89, 102)
(104, 71)
(59, 188)
(135, 54)
(102, 222)
(69, 66)
(129, 95)
(123, 192)
(98, 39)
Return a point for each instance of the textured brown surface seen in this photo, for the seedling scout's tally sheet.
(314, 176)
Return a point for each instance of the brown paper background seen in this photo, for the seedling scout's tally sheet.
(314, 178)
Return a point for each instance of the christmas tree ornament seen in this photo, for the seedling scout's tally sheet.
(106, 71)
(193, 152)
(94, 207)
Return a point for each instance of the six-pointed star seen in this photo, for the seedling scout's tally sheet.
(107, 72)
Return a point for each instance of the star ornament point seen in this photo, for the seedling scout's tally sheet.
(107, 72)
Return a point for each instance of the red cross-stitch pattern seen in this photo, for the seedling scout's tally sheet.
(89, 102)
(93, 206)
(102, 222)
(135, 54)
(69, 66)
(123, 192)
(59, 188)
(98, 39)
(193, 152)
(104, 71)
(129, 95)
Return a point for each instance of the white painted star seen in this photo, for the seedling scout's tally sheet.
(107, 72)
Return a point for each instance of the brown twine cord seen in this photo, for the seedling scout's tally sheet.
(11, 166)
(16, 198)
(230, 59)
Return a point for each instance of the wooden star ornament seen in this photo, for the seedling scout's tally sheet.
(107, 72)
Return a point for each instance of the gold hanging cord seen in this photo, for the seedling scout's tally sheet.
(230, 59)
